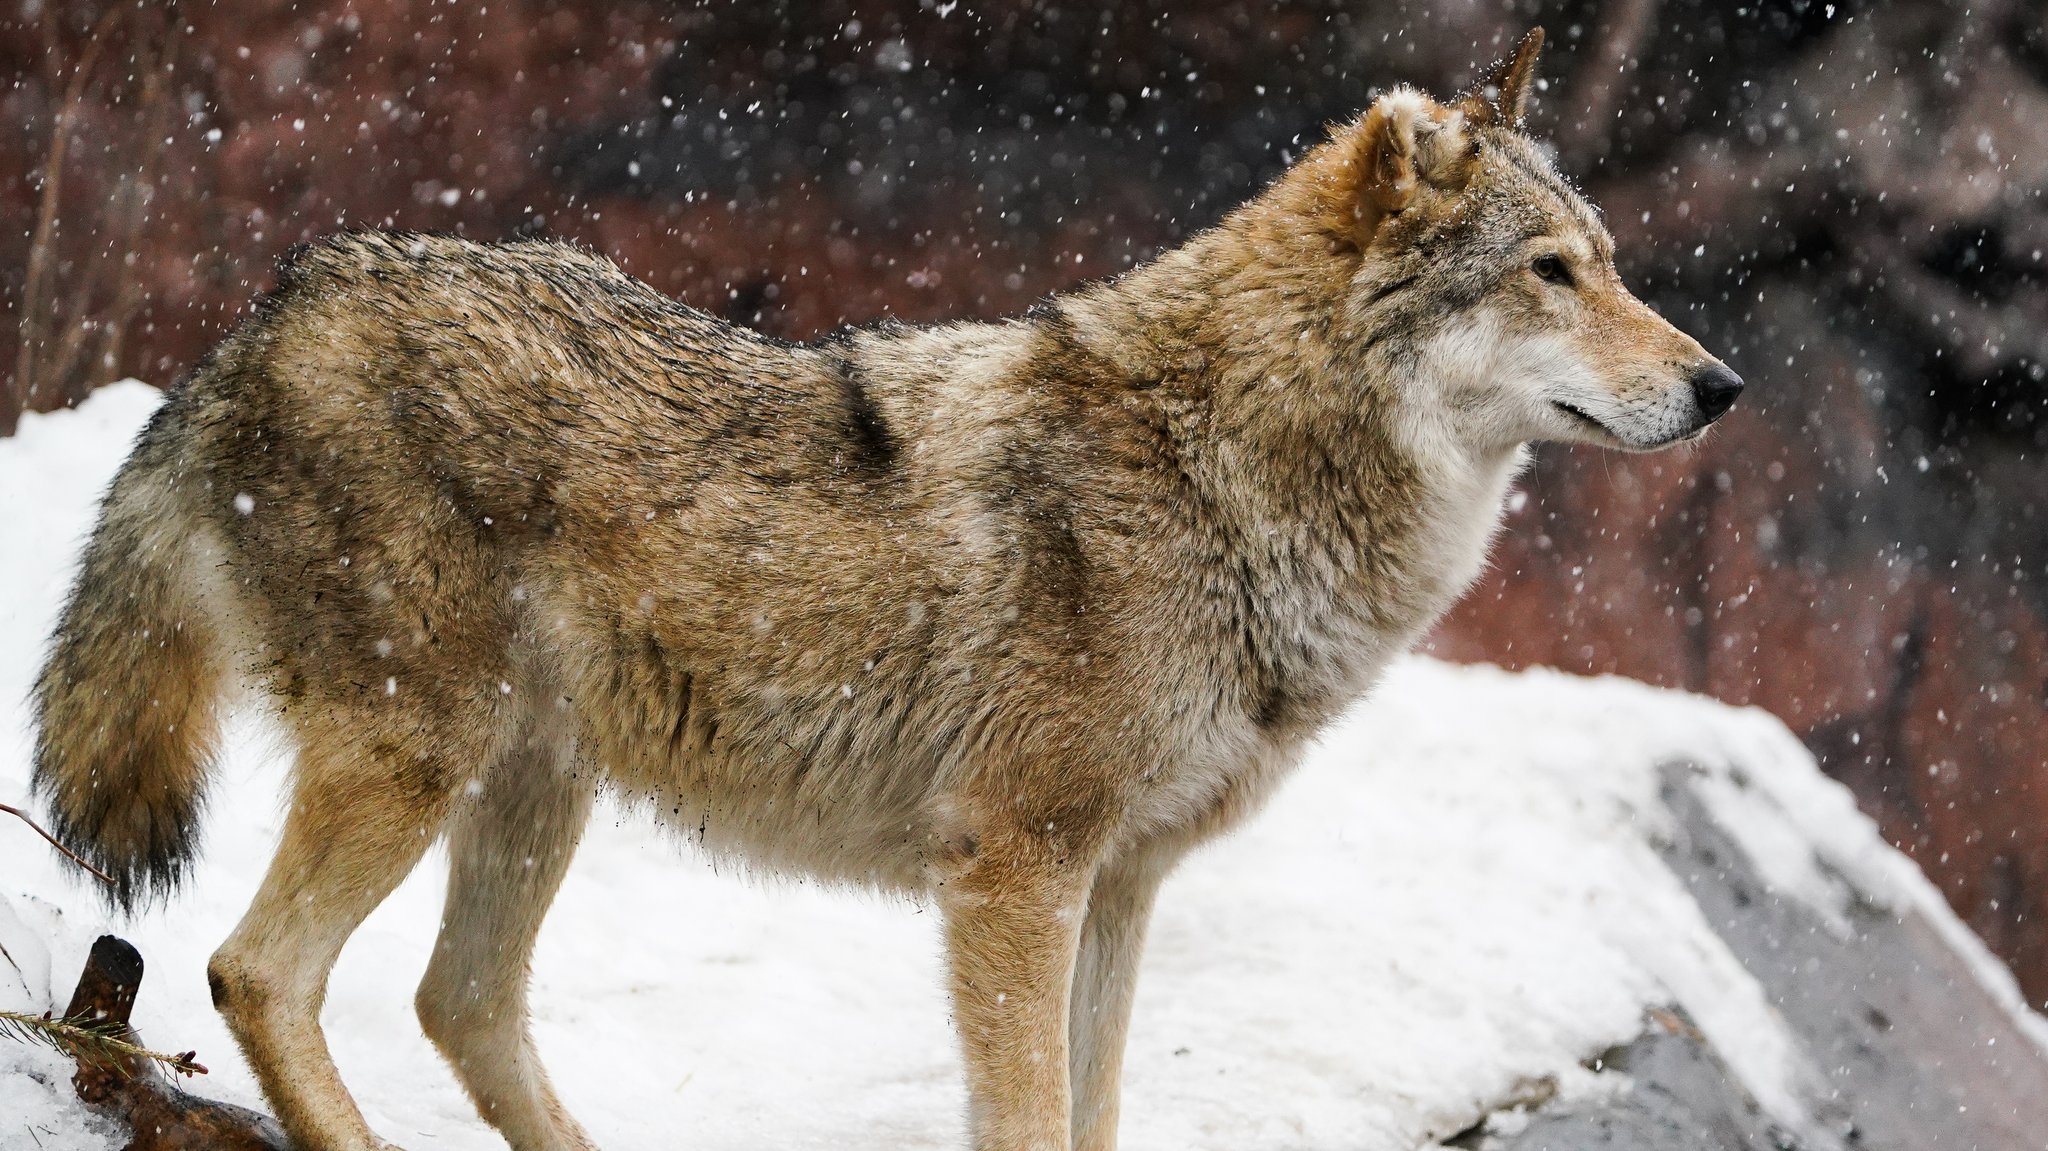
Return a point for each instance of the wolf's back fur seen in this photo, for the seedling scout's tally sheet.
(1012, 612)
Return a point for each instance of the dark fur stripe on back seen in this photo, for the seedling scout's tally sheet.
(871, 446)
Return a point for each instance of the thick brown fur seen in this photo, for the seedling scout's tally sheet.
(1009, 613)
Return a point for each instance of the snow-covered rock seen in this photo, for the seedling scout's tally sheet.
(1514, 911)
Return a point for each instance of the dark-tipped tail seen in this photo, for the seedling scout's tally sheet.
(127, 703)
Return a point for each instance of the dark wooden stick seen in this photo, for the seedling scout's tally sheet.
(159, 1115)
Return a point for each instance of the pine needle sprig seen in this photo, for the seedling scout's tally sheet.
(99, 1043)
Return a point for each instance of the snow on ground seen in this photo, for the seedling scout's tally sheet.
(1458, 898)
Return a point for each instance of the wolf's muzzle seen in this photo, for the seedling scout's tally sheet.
(1714, 388)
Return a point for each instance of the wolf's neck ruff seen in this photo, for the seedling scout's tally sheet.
(1344, 518)
(1299, 511)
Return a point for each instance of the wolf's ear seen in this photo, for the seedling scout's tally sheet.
(1503, 98)
(1407, 145)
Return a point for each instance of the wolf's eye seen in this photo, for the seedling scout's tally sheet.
(1552, 268)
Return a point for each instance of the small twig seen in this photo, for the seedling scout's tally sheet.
(72, 855)
(98, 1043)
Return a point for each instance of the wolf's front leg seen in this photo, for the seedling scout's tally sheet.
(1013, 923)
(1105, 979)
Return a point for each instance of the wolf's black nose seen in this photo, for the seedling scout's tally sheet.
(1715, 387)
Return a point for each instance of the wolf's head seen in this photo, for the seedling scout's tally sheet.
(1485, 286)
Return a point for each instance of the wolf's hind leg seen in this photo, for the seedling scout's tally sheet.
(1105, 979)
(367, 802)
(508, 853)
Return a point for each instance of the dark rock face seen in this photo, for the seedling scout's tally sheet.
(1683, 1098)
(1911, 1052)
(1845, 200)
(1915, 1052)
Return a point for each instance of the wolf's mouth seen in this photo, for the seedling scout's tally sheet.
(1580, 415)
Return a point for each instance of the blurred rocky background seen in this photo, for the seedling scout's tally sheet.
(1844, 199)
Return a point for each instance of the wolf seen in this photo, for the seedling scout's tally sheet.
(1006, 615)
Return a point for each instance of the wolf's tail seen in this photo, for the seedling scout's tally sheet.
(127, 705)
